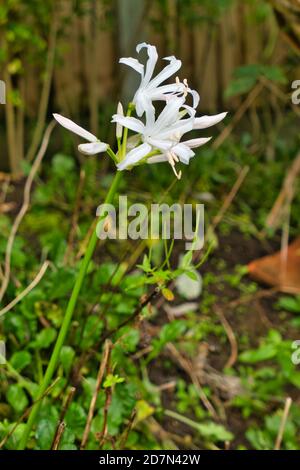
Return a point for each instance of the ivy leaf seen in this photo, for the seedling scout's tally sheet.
(45, 433)
(44, 338)
(20, 360)
(17, 398)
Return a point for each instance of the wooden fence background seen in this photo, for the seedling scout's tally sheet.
(87, 74)
(89, 50)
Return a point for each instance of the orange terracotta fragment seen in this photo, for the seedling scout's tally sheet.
(281, 270)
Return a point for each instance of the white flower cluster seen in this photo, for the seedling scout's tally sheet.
(157, 138)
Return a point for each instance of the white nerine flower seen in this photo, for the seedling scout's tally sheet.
(160, 134)
(182, 151)
(151, 88)
(95, 146)
(156, 138)
(163, 135)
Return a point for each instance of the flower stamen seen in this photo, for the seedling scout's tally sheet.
(172, 159)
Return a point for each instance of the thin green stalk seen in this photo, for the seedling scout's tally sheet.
(66, 321)
(125, 131)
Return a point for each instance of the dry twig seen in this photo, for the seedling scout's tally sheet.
(28, 289)
(102, 368)
(61, 425)
(24, 208)
(108, 392)
(231, 338)
(230, 196)
(187, 367)
(285, 415)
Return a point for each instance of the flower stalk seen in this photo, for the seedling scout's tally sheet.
(67, 319)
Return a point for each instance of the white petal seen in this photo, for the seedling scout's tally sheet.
(133, 63)
(161, 144)
(196, 97)
(165, 92)
(92, 148)
(167, 72)
(208, 121)
(191, 111)
(134, 156)
(143, 103)
(71, 126)
(194, 143)
(169, 114)
(129, 122)
(157, 159)
(120, 109)
(152, 59)
(183, 152)
(119, 127)
(178, 128)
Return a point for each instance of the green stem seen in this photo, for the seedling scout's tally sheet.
(125, 131)
(112, 154)
(66, 321)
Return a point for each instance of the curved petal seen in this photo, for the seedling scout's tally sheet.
(208, 121)
(152, 59)
(178, 129)
(161, 144)
(92, 148)
(194, 143)
(130, 122)
(134, 156)
(157, 159)
(143, 103)
(133, 63)
(195, 96)
(183, 152)
(166, 92)
(73, 127)
(167, 72)
(169, 115)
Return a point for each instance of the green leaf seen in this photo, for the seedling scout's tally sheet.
(92, 331)
(17, 398)
(75, 419)
(239, 86)
(112, 380)
(215, 432)
(289, 303)
(62, 165)
(44, 339)
(169, 333)
(67, 355)
(45, 433)
(263, 353)
(20, 360)
(245, 78)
